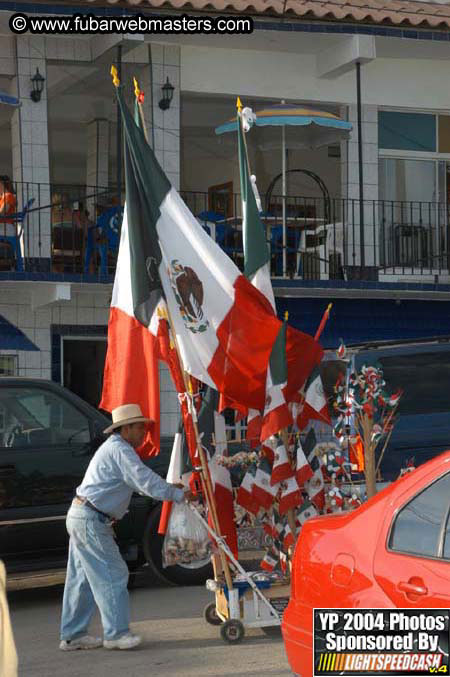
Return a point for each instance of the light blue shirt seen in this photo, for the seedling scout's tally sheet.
(115, 472)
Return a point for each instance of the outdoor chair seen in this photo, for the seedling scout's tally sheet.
(11, 243)
(322, 252)
(103, 238)
(276, 249)
(67, 248)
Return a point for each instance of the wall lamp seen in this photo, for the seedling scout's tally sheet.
(37, 82)
(167, 91)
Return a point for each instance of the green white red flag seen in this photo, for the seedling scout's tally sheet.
(279, 378)
(225, 327)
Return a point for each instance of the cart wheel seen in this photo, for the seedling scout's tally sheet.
(232, 631)
(210, 614)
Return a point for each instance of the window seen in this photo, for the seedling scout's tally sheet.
(418, 375)
(418, 526)
(8, 365)
(408, 180)
(407, 131)
(34, 417)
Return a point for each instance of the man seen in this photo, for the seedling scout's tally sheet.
(96, 572)
(8, 653)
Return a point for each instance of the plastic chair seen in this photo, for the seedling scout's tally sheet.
(276, 248)
(17, 219)
(104, 238)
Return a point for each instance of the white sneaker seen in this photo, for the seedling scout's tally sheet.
(127, 641)
(84, 642)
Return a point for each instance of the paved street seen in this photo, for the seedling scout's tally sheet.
(177, 641)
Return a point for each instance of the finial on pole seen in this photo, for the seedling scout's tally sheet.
(239, 105)
(286, 315)
(137, 91)
(115, 76)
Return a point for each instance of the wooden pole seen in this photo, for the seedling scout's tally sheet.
(290, 512)
(209, 494)
(206, 479)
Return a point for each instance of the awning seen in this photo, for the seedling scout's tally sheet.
(8, 99)
(11, 338)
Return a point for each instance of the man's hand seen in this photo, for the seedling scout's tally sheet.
(178, 485)
(189, 496)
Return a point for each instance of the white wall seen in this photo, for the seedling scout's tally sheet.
(421, 83)
(84, 310)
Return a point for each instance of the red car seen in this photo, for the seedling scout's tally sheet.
(392, 552)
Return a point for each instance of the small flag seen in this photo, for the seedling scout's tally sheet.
(254, 420)
(315, 487)
(263, 492)
(245, 497)
(315, 404)
(281, 469)
(303, 471)
(290, 496)
(342, 350)
(269, 562)
(306, 511)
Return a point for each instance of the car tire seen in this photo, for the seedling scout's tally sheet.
(152, 544)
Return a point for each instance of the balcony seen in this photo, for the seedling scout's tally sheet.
(63, 236)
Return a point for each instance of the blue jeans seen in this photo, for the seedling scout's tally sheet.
(96, 575)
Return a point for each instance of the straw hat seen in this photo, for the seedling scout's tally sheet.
(127, 413)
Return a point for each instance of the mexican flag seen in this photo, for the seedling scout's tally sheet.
(290, 496)
(276, 413)
(210, 423)
(315, 404)
(281, 469)
(245, 497)
(225, 327)
(179, 471)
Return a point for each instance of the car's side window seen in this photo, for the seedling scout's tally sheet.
(419, 526)
(36, 417)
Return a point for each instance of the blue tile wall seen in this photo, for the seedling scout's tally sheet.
(361, 320)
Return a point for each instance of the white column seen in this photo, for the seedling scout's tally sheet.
(97, 160)
(350, 186)
(166, 64)
(29, 132)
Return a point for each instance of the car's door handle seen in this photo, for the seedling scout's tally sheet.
(412, 588)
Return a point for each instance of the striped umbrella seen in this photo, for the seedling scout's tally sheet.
(308, 129)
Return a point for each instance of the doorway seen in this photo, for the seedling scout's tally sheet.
(83, 361)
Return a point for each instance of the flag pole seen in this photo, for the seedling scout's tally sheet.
(323, 322)
(205, 476)
(139, 94)
(285, 438)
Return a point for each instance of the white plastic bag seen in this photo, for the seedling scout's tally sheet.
(186, 540)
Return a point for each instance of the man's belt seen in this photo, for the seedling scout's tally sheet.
(80, 500)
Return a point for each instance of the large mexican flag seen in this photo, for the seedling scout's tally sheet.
(225, 328)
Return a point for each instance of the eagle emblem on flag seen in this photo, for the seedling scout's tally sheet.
(188, 291)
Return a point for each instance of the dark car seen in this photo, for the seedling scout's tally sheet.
(421, 369)
(47, 438)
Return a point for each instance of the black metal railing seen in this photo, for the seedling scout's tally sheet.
(49, 227)
(310, 238)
